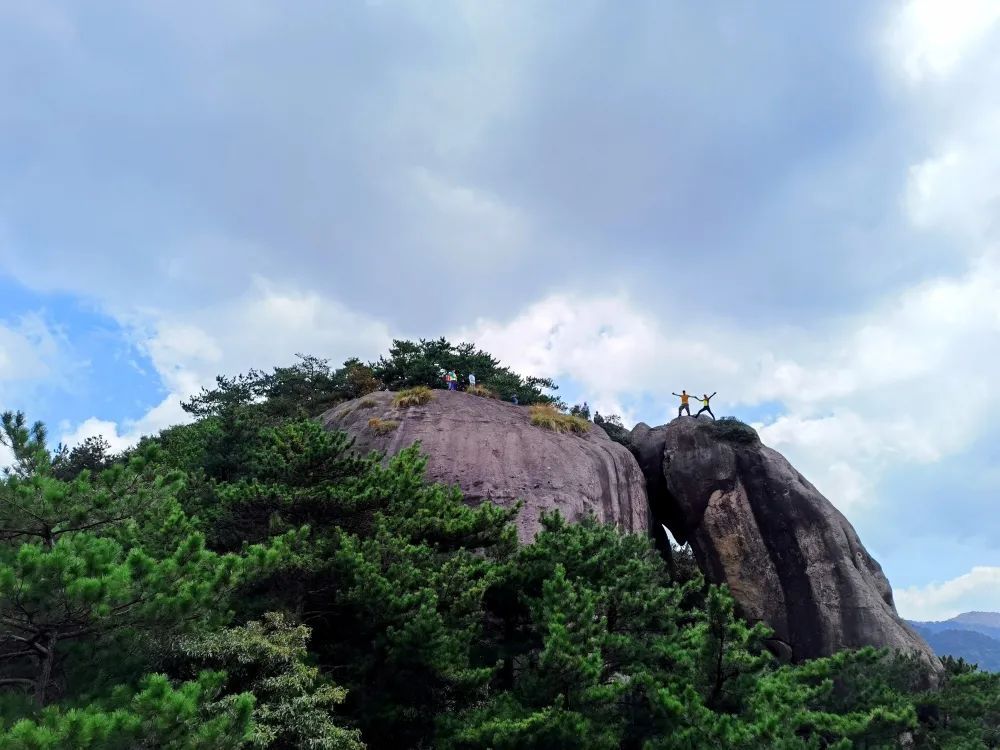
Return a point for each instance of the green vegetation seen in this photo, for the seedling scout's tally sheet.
(382, 426)
(549, 417)
(612, 425)
(246, 581)
(304, 389)
(415, 396)
(423, 362)
(367, 403)
(732, 429)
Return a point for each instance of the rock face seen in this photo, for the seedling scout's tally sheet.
(791, 559)
(491, 450)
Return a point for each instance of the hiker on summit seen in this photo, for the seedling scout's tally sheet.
(704, 405)
(683, 396)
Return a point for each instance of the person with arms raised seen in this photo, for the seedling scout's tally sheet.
(683, 396)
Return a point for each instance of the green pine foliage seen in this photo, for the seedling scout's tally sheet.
(305, 389)
(423, 362)
(103, 559)
(157, 714)
(268, 658)
(248, 581)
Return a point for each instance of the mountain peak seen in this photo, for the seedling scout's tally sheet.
(989, 619)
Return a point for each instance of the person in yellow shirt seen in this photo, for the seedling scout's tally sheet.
(705, 398)
(683, 396)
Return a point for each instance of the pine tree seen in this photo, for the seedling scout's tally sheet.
(99, 558)
(373, 608)
(267, 658)
(158, 715)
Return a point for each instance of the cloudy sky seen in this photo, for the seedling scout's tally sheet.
(798, 208)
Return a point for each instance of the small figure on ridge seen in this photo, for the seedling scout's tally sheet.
(704, 405)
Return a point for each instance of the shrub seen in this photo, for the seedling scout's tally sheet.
(382, 426)
(367, 403)
(613, 426)
(480, 390)
(546, 415)
(732, 429)
(415, 396)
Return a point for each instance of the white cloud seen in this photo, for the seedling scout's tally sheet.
(910, 381)
(953, 187)
(121, 436)
(607, 344)
(957, 190)
(476, 230)
(32, 354)
(930, 38)
(29, 350)
(264, 327)
(267, 325)
(977, 590)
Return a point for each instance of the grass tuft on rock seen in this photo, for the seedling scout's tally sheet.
(367, 403)
(735, 431)
(547, 416)
(382, 426)
(480, 390)
(421, 394)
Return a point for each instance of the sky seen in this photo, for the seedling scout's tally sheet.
(796, 205)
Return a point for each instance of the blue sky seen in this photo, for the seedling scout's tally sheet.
(793, 207)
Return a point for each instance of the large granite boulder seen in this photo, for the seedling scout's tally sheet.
(490, 449)
(790, 558)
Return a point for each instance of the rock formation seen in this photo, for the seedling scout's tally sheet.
(789, 557)
(491, 450)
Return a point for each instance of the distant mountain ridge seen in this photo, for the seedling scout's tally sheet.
(987, 623)
(982, 619)
(973, 636)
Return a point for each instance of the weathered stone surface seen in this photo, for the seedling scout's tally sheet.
(491, 450)
(789, 556)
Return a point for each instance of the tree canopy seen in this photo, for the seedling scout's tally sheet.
(423, 362)
(248, 581)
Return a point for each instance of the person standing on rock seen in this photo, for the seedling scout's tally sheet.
(683, 396)
(705, 398)
(472, 380)
(452, 379)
